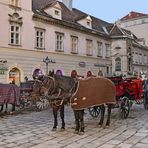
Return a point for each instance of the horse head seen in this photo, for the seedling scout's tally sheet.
(43, 87)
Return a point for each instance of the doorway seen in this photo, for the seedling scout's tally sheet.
(14, 76)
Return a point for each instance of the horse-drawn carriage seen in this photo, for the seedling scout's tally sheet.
(28, 100)
(128, 91)
(20, 96)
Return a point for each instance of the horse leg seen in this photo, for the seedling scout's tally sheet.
(81, 116)
(2, 107)
(109, 114)
(102, 107)
(55, 114)
(6, 109)
(76, 113)
(62, 117)
(13, 109)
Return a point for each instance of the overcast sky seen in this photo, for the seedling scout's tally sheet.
(111, 10)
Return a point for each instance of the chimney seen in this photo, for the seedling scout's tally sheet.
(68, 3)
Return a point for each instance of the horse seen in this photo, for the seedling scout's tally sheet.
(70, 89)
(9, 94)
(44, 87)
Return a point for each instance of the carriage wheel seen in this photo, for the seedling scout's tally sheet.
(94, 111)
(125, 107)
(42, 104)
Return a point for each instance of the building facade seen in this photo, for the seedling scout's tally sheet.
(138, 24)
(39, 35)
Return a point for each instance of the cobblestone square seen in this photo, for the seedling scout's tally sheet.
(33, 130)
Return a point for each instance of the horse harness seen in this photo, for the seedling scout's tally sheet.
(60, 98)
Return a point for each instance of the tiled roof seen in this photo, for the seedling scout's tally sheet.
(68, 15)
(133, 15)
(70, 18)
(97, 24)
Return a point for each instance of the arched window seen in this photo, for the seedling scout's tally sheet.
(60, 72)
(37, 73)
(89, 73)
(118, 64)
(74, 73)
(14, 76)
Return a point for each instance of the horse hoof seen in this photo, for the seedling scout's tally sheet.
(100, 125)
(76, 132)
(81, 133)
(107, 126)
(62, 129)
(54, 129)
(11, 113)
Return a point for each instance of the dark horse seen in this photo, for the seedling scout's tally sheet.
(56, 92)
(63, 89)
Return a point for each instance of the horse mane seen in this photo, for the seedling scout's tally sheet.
(66, 83)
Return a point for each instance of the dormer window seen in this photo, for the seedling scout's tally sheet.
(88, 23)
(56, 12)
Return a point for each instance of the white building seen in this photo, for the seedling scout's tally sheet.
(72, 40)
(138, 24)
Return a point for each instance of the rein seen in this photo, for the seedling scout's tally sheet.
(57, 103)
(53, 83)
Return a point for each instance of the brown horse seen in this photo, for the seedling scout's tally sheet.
(64, 88)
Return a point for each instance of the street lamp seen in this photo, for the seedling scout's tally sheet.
(47, 61)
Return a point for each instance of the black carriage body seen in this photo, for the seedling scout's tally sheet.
(26, 87)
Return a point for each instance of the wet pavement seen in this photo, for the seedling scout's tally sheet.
(34, 130)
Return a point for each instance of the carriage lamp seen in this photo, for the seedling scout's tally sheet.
(47, 60)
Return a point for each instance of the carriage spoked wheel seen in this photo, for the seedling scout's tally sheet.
(125, 107)
(94, 111)
(42, 103)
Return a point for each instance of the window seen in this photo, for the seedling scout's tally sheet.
(14, 2)
(108, 51)
(145, 59)
(57, 12)
(88, 23)
(143, 21)
(89, 47)
(74, 44)
(99, 48)
(40, 38)
(118, 64)
(15, 34)
(59, 42)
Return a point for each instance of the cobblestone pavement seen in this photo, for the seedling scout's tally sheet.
(33, 130)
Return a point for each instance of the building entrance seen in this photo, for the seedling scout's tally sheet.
(14, 76)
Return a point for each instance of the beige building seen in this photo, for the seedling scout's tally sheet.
(39, 35)
(138, 24)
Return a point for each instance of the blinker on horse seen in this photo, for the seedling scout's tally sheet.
(81, 94)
